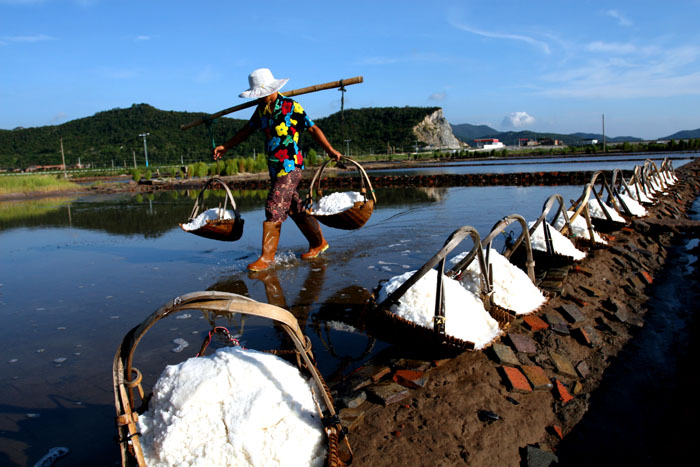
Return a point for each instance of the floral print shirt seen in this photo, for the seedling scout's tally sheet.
(282, 122)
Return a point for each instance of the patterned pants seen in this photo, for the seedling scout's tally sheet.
(283, 198)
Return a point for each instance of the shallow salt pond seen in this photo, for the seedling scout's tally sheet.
(77, 274)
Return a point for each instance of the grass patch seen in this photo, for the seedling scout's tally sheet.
(31, 183)
(29, 209)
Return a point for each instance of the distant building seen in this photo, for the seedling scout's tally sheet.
(549, 142)
(489, 143)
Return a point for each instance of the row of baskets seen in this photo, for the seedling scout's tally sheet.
(646, 183)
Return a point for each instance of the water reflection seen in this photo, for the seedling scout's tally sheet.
(153, 215)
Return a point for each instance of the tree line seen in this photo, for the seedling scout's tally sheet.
(112, 137)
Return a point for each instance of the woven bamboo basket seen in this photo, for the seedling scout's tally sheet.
(501, 314)
(546, 259)
(402, 330)
(543, 260)
(607, 225)
(128, 380)
(226, 230)
(352, 218)
(604, 224)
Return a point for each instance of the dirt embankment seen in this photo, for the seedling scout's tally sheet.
(469, 412)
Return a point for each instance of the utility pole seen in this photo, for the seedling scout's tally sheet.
(133, 153)
(145, 147)
(63, 158)
(347, 146)
(605, 149)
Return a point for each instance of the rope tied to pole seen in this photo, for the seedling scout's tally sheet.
(225, 333)
(209, 123)
(342, 118)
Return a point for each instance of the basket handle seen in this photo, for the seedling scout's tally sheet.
(524, 238)
(316, 181)
(617, 182)
(208, 185)
(546, 208)
(581, 206)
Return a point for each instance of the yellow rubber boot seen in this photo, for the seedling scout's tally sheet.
(271, 237)
(311, 229)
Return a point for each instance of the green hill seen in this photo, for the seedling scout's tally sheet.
(113, 135)
(468, 132)
(685, 134)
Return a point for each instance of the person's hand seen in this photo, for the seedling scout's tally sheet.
(219, 151)
(336, 155)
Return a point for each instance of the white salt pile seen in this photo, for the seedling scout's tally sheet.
(635, 208)
(465, 316)
(235, 407)
(598, 211)
(562, 245)
(209, 214)
(642, 197)
(579, 228)
(337, 202)
(512, 289)
(656, 187)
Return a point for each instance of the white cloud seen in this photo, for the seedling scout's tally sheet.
(417, 57)
(30, 39)
(611, 47)
(620, 70)
(621, 19)
(379, 61)
(143, 37)
(517, 120)
(496, 35)
(437, 96)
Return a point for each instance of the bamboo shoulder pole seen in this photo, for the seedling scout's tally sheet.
(295, 92)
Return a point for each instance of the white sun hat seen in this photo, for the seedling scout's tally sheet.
(262, 84)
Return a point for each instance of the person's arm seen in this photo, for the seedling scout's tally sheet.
(237, 139)
(321, 139)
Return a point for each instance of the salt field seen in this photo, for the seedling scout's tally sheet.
(549, 164)
(77, 274)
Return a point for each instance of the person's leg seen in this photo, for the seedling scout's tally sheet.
(311, 229)
(309, 226)
(277, 207)
(270, 239)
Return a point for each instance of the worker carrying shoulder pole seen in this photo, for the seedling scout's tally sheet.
(282, 119)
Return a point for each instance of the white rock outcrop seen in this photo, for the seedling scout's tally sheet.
(436, 132)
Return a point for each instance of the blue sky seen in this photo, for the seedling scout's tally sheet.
(539, 65)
